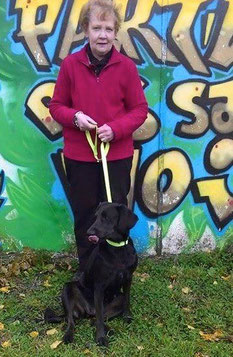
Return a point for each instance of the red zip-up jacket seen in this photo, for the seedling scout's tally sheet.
(115, 97)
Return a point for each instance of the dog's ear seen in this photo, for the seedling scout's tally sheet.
(101, 204)
(127, 219)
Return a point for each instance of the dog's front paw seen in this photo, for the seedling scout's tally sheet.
(102, 341)
(68, 338)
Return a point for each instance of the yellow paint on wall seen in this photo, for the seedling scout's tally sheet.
(176, 162)
(215, 190)
(29, 11)
(209, 25)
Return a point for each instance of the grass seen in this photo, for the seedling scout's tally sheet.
(173, 300)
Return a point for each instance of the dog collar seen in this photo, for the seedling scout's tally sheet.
(115, 244)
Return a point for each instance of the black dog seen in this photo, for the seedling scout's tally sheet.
(103, 289)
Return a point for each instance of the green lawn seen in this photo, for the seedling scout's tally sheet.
(182, 307)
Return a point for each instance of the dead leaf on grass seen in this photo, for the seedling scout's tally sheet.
(1, 326)
(186, 290)
(211, 336)
(226, 277)
(142, 276)
(47, 284)
(51, 332)
(55, 344)
(5, 289)
(190, 327)
(173, 277)
(22, 261)
(186, 309)
(140, 348)
(16, 322)
(6, 344)
(170, 286)
(3, 282)
(34, 334)
(2, 307)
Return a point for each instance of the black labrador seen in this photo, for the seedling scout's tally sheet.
(103, 289)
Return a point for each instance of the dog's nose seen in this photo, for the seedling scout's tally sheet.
(91, 231)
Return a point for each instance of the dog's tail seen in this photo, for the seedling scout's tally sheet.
(51, 317)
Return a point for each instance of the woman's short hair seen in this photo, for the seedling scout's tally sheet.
(104, 8)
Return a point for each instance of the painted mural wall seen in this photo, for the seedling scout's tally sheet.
(182, 178)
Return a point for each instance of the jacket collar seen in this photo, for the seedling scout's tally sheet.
(82, 57)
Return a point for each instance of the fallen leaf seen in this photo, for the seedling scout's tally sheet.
(1, 307)
(51, 332)
(215, 283)
(55, 344)
(1, 326)
(186, 290)
(34, 334)
(140, 348)
(4, 289)
(173, 277)
(22, 295)
(226, 277)
(170, 286)
(4, 270)
(211, 336)
(86, 351)
(142, 275)
(6, 344)
(186, 309)
(16, 322)
(46, 284)
(190, 327)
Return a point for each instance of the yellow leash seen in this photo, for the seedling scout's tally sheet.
(104, 148)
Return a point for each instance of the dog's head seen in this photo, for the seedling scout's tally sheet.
(112, 221)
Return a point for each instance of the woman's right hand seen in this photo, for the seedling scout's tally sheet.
(85, 122)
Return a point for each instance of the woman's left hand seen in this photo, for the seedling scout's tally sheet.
(105, 133)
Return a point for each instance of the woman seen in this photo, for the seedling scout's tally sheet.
(97, 86)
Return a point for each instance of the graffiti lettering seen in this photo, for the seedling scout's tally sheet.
(219, 200)
(192, 98)
(70, 35)
(2, 177)
(35, 23)
(148, 129)
(172, 45)
(37, 110)
(219, 155)
(182, 98)
(164, 180)
(222, 113)
(220, 51)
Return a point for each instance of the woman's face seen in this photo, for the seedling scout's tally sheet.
(101, 34)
